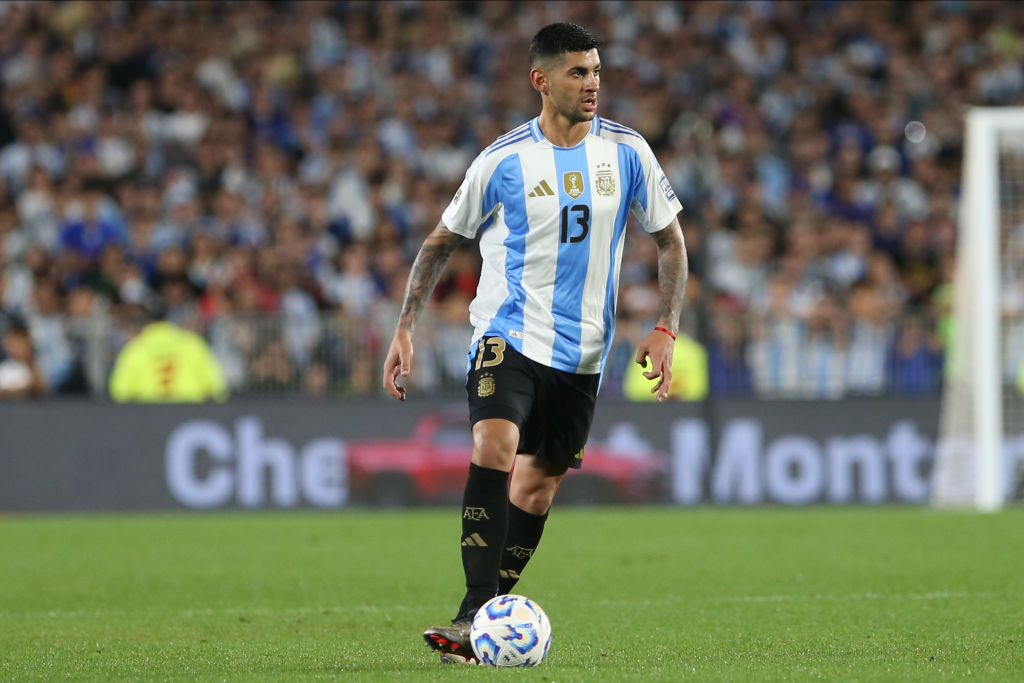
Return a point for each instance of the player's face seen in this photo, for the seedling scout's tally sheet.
(573, 82)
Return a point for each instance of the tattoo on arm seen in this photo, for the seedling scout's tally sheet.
(426, 271)
(673, 270)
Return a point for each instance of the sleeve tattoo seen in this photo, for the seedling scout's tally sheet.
(673, 270)
(426, 271)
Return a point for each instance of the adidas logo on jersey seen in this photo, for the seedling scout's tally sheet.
(542, 190)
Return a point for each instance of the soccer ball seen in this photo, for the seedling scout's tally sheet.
(510, 630)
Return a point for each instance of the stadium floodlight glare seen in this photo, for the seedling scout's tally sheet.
(974, 465)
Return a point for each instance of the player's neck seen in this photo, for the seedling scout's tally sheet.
(560, 131)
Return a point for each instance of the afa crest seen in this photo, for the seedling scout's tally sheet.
(485, 387)
(604, 180)
(572, 183)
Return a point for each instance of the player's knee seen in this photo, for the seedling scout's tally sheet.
(534, 502)
(494, 447)
(534, 497)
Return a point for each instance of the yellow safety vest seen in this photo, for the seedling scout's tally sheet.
(166, 364)
(689, 374)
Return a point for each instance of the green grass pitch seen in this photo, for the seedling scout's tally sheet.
(637, 594)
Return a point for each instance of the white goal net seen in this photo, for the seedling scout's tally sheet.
(981, 437)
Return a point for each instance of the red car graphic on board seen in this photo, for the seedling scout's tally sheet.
(431, 465)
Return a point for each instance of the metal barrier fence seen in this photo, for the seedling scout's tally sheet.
(331, 354)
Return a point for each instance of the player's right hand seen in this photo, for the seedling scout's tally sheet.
(398, 362)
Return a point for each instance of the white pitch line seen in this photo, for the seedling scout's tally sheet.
(812, 597)
(351, 609)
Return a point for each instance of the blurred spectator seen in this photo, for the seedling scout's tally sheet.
(19, 374)
(870, 341)
(776, 339)
(824, 349)
(166, 364)
(916, 358)
(88, 229)
(49, 334)
(728, 373)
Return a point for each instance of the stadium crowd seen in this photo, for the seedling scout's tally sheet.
(263, 173)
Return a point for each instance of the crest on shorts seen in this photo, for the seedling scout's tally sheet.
(485, 387)
(572, 182)
(605, 180)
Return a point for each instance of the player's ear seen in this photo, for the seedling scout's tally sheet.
(539, 81)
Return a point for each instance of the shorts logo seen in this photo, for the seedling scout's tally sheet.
(573, 183)
(475, 514)
(485, 387)
(579, 454)
(605, 180)
(519, 552)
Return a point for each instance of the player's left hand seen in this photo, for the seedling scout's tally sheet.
(398, 362)
(658, 346)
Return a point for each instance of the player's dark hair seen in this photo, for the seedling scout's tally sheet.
(557, 39)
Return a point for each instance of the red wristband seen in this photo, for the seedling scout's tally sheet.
(666, 331)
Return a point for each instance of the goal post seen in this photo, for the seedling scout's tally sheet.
(971, 463)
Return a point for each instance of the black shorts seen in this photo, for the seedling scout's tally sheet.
(552, 408)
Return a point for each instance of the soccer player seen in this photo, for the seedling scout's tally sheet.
(549, 201)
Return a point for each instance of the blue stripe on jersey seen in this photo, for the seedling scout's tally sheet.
(618, 128)
(507, 182)
(573, 259)
(535, 130)
(505, 143)
(629, 164)
(635, 179)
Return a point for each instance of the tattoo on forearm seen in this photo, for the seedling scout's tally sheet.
(426, 271)
(673, 270)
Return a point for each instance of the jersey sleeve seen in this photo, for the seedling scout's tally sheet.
(472, 204)
(654, 201)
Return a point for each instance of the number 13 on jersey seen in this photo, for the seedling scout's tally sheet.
(575, 217)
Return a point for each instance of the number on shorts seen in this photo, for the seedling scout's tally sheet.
(497, 348)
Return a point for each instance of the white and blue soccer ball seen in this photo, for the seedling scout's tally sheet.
(510, 630)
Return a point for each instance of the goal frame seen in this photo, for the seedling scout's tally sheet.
(978, 327)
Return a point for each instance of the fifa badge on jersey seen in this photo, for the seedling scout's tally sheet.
(573, 183)
(485, 387)
(605, 180)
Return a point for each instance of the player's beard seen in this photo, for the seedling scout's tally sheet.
(575, 113)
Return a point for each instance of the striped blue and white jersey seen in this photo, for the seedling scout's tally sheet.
(551, 223)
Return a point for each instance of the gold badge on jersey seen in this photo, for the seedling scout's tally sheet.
(605, 180)
(573, 183)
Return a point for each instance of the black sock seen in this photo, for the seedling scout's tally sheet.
(524, 532)
(484, 524)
